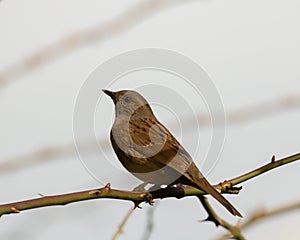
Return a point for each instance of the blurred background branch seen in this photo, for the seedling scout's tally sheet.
(132, 16)
(150, 222)
(241, 115)
(259, 215)
(122, 224)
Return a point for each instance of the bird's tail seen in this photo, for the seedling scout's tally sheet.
(204, 185)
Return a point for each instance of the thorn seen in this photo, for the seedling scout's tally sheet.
(15, 210)
(234, 190)
(41, 195)
(273, 159)
(211, 219)
(107, 186)
(137, 205)
(205, 220)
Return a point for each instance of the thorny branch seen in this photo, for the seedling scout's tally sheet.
(138, 197)
(227, 186)
(213, 217)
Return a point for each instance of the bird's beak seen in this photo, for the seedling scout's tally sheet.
(111, 94)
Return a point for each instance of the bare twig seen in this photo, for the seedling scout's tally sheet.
(213, 217)
(262, 214)
(99, 33)
(107, 192)
(149, 226)
(273, 164)
(238, 116)
(235, 230)
(124, 221)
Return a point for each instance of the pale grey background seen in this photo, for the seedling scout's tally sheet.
(249, 48)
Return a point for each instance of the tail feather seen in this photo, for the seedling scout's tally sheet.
(204, 185)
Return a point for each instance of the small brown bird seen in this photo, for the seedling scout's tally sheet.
(149, 151)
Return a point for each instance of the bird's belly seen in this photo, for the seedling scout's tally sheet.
(159, 177)
(147, 171)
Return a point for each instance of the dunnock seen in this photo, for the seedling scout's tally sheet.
(149, 151)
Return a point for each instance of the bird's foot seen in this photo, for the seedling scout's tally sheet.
(148, 198)
(227, 187)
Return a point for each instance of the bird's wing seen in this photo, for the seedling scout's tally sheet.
(153, 141)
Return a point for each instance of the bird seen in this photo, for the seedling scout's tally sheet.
(148, 150)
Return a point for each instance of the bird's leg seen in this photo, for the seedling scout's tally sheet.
(163, 192)
(146, 194)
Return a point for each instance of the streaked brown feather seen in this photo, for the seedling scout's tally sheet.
(150, 152)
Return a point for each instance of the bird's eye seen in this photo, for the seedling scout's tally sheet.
(127, 99)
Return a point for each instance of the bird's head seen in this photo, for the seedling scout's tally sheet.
(129, 104)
